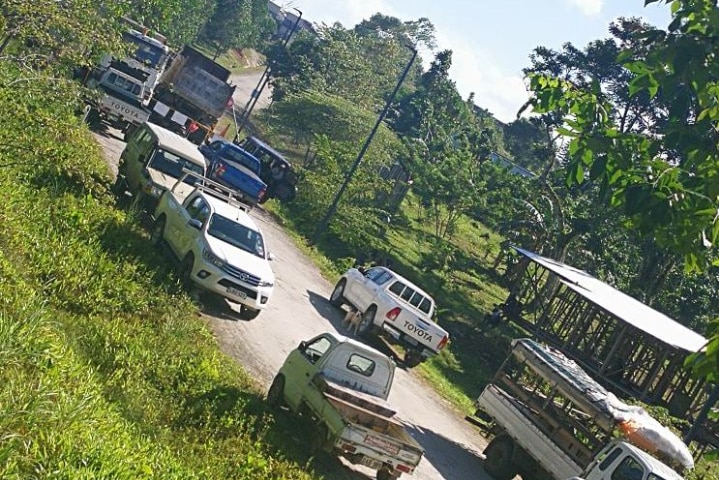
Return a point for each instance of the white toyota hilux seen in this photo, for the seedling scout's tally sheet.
(391, 303)
(221, 248)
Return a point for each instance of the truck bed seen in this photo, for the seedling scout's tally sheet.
(373, 422)
(517, 421)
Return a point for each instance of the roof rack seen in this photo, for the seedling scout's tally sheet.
(217, 190)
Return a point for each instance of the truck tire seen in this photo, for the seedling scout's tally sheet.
(275, 395)
(319, 438)
(188, 263)
(412, 358)
(366, 327)
(499, 458)
(337, 298)
(384, 474)
(158, 231)
(248, 313)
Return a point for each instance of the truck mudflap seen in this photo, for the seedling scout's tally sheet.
(373, 449)
(507, 414)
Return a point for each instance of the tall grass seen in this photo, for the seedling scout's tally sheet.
(106, 369)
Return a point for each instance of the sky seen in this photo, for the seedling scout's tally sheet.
(491, 40)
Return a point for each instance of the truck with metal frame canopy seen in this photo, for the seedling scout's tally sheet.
(340, 386)
(550, 420)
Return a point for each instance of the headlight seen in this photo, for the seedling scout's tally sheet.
(210, 257)
(156, 191)
(265, 284)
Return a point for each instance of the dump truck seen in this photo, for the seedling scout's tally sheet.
(550, 420)
(340, 386)
(192, 95)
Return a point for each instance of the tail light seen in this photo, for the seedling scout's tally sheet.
(404, 468)
(346, 447)
(393, 314)
(443, 342)
(262, 194)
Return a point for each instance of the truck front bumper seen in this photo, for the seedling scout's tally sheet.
(238, 290)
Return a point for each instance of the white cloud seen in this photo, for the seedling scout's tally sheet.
(348, 12)
(475, 70)
(588, 7)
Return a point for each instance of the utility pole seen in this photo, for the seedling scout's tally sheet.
(324, 223)
(264, 80)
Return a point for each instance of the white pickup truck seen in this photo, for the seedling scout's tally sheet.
(221, 248)
(552, 421)
(391, 303)
(341, 387)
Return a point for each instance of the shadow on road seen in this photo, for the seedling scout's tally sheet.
(436, 447)
(335, 316)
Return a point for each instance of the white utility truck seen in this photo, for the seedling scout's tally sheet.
(341, 386)
(391, 303)
(550, 420)
(221, 248)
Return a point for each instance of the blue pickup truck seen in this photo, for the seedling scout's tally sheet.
(235, 168)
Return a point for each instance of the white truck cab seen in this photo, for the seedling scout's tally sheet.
(622, 461)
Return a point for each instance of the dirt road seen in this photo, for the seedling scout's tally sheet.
(299, 310)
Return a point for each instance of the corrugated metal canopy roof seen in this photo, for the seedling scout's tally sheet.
(621, 305)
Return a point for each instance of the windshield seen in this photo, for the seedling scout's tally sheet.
(172, 164)
(147, 53)
(241, 157)
(237, 235)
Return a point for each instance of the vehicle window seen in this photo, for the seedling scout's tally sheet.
(407, 294)
(143, 139)
(609, 459)
(237, 235)
(243, 158)
(378, 275)
(362, 365)
(654, 476)
(416, 299)
(124, 84)
(397, 288)
(315, 350)
(195, 206)
(426, 305)
(629, 469)
(216, 146)
(171, 164)
(383, 278)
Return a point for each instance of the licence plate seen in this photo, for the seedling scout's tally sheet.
(371, 463)
(237, 293)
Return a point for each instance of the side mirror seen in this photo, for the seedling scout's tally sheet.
(302, 346)
(270, 256)
(195, 223)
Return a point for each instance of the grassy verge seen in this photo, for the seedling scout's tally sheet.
(107, 370)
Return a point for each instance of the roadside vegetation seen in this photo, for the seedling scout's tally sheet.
(107, 371)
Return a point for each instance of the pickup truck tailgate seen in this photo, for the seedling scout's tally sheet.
(383, 447)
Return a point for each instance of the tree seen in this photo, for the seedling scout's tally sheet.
(58, 33)
(664, 170)
(237, 24)
(446, 140)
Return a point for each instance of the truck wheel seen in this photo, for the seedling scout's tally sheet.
(412, 358)
(158, 231)
(319, 437)
(186, 269)
(248, 313)
(366, 327)
(275, 395)
(337, 297)
(499, 458)
(384, 474)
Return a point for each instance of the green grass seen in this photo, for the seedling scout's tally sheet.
(107, 370)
